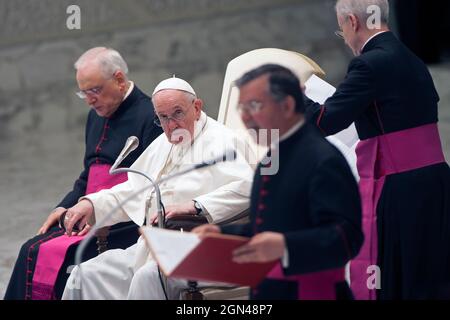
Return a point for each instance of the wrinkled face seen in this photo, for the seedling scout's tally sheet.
(268, 114)
(103, 95)
(177, 112)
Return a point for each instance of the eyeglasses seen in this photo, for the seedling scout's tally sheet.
(339, 34)
(83, 94)
(95, 91)
(251, 107)
(178, 115)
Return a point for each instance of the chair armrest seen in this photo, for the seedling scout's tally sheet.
(102, 239)
(185, 222)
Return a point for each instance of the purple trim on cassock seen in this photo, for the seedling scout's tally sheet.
(52, 253)
(377, 158)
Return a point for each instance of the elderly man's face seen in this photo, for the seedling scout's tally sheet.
(177, 112)
(257, 107)
(104, 95)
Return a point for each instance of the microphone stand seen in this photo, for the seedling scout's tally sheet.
(160, 214)
(153, 184)
(157, 191)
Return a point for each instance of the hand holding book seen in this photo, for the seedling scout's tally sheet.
(208, 257)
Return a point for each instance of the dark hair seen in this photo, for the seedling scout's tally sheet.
(282, 83)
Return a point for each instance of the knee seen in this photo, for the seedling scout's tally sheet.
(78, 273)
(73, 282)
(147, 273)
(29, 250)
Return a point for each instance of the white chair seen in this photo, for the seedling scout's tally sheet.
(303, 67)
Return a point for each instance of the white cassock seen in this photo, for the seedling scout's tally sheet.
(222, 189)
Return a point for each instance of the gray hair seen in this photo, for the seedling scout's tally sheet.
(359, 8)
(189, 96)
(109, 61)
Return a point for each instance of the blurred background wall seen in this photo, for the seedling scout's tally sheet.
(42, 120)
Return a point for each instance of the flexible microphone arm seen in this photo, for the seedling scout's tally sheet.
(157, 191)
(227, 156)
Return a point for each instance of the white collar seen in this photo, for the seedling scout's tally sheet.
(129, 90)
(290, 132)
(380, 32)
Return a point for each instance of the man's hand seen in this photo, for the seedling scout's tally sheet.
(81, 212)
(263, 247)
(187, 208)
(52, 219)
(205, 229)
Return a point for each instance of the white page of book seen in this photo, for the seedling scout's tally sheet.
(319, 91)
(170, 247)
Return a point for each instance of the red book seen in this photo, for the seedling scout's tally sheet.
(185, 255)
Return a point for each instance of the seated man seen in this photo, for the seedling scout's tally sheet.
(308, 214)
(118, 110)
(218, 192)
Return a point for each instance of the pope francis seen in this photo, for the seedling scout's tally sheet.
(218, 192)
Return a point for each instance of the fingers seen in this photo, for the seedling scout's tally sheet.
(41, 230)
(85, 230)
(245, 258)
(170, 214)
(204, 230)
(242, 250)
(70, 220)
(154, 219)
(248, 252)
(51, 220)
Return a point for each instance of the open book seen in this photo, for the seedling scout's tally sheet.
(319, 91)
(185, 255)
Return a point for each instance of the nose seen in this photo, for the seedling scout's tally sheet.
(172, 124)
(90, 99)
(246, 117)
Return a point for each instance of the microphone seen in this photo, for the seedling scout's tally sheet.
(228, 155)
(130, 145)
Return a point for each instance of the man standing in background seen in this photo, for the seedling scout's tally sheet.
(404, 179)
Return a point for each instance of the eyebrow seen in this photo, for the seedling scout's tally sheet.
(176, 108)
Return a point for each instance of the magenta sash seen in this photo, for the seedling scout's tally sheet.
(377, 158)
(52, 253)
(312, 286)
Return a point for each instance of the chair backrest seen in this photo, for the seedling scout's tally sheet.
(301, 65)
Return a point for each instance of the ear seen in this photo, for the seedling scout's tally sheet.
(289, 107)
(119, 76)
(354, 22)
(198, 105)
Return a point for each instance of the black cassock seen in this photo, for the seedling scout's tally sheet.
(389, 94)
(313, 200)
(105, 138)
